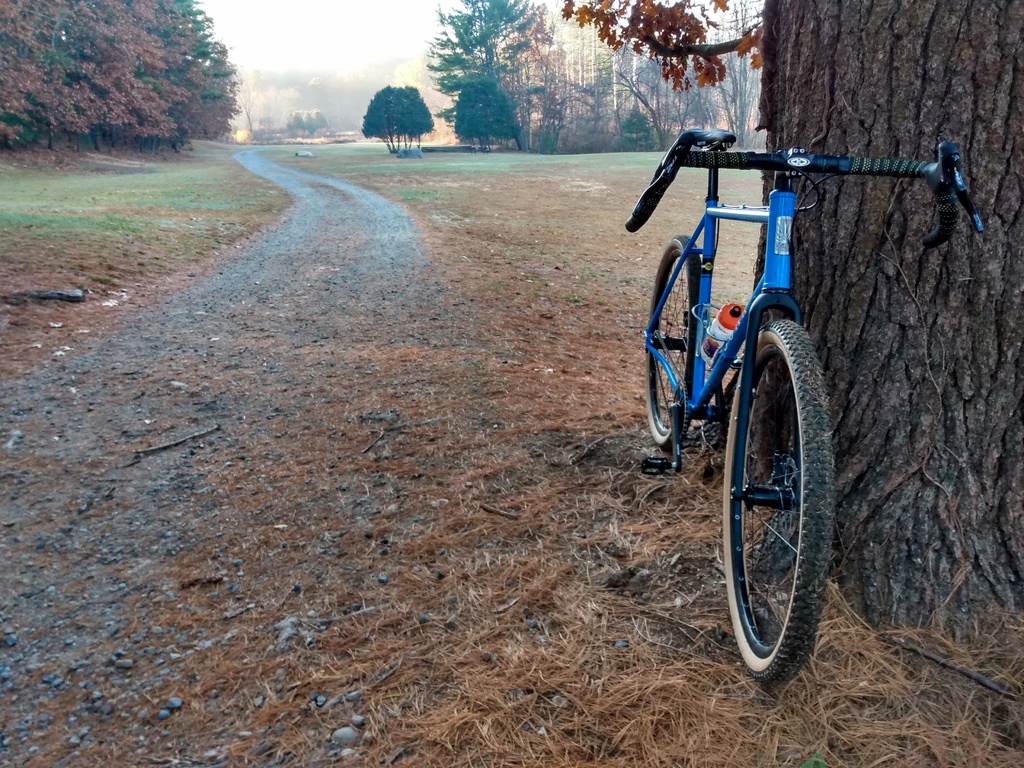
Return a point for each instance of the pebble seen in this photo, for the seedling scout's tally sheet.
(382, 578)
(345, 736)
(621, 644)
(174, 703)
(355, 695)
(11, 640)
(124, 663)
(163, 714)
(358, 721)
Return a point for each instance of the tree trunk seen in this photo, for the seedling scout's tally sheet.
(921, 349)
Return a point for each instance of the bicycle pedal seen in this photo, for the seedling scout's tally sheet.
(656, 465)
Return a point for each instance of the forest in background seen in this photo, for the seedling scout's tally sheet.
(111, 73)
(570, 91)
(151, 73)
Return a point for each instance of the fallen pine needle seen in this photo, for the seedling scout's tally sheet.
(499, 512)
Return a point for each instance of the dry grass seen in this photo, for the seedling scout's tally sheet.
(546, 604)
(121, 228)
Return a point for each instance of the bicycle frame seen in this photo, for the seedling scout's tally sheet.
(771, 292)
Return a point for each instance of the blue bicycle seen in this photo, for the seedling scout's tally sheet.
(765, 382)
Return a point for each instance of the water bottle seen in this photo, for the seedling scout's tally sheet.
(720, 331)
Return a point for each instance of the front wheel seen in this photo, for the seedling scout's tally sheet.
(674, 336)
(779, 507)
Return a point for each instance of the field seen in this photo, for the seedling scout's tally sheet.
(579, 618)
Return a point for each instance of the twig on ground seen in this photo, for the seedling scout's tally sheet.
(506, 605)
(500, 512)
(376, 440)
(386, 673)
(977, 677)
(587, 449)
(650, 491)
(157, 448)
(235, 612)
(200, 581)
(396, 755)
(353, 614)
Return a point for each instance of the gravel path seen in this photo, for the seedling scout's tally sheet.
(93, 521)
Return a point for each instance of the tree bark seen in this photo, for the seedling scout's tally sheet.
(921, 349)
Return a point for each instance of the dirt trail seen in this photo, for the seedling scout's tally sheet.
(265, 349)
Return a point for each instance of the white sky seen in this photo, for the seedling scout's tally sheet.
(333, 35)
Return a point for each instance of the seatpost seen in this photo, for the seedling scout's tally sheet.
(712, 185)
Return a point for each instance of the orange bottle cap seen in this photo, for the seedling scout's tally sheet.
(729, 316)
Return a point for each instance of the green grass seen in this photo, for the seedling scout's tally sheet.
(109, 219)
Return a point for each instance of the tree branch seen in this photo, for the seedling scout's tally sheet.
(704, 50)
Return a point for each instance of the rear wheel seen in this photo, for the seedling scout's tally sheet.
(779, 504)
(675, 337)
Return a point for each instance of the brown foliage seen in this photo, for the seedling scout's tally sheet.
(675, 36)
(124, 71)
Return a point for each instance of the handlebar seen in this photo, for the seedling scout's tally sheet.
(944, 176)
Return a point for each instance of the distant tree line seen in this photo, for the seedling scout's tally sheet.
(111, 73)
(520, 75)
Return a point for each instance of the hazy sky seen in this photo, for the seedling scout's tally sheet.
(337, 35)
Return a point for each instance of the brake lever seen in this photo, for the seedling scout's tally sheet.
(952, 172)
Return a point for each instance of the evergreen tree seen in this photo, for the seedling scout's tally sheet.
(636, 131)
(397, 116)
(483, 112)
(482, 40)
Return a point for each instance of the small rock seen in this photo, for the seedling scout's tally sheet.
(348, 752)
(345, 736)
(163, 714)
(355, 695)
(424, 619)
(124, 663)
(358, 721)
(11, 640)
(382, 578)
(178, 384)
(487, 656)
(174, 703)
(621, 644)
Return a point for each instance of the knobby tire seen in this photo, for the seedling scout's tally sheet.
(778, 540)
